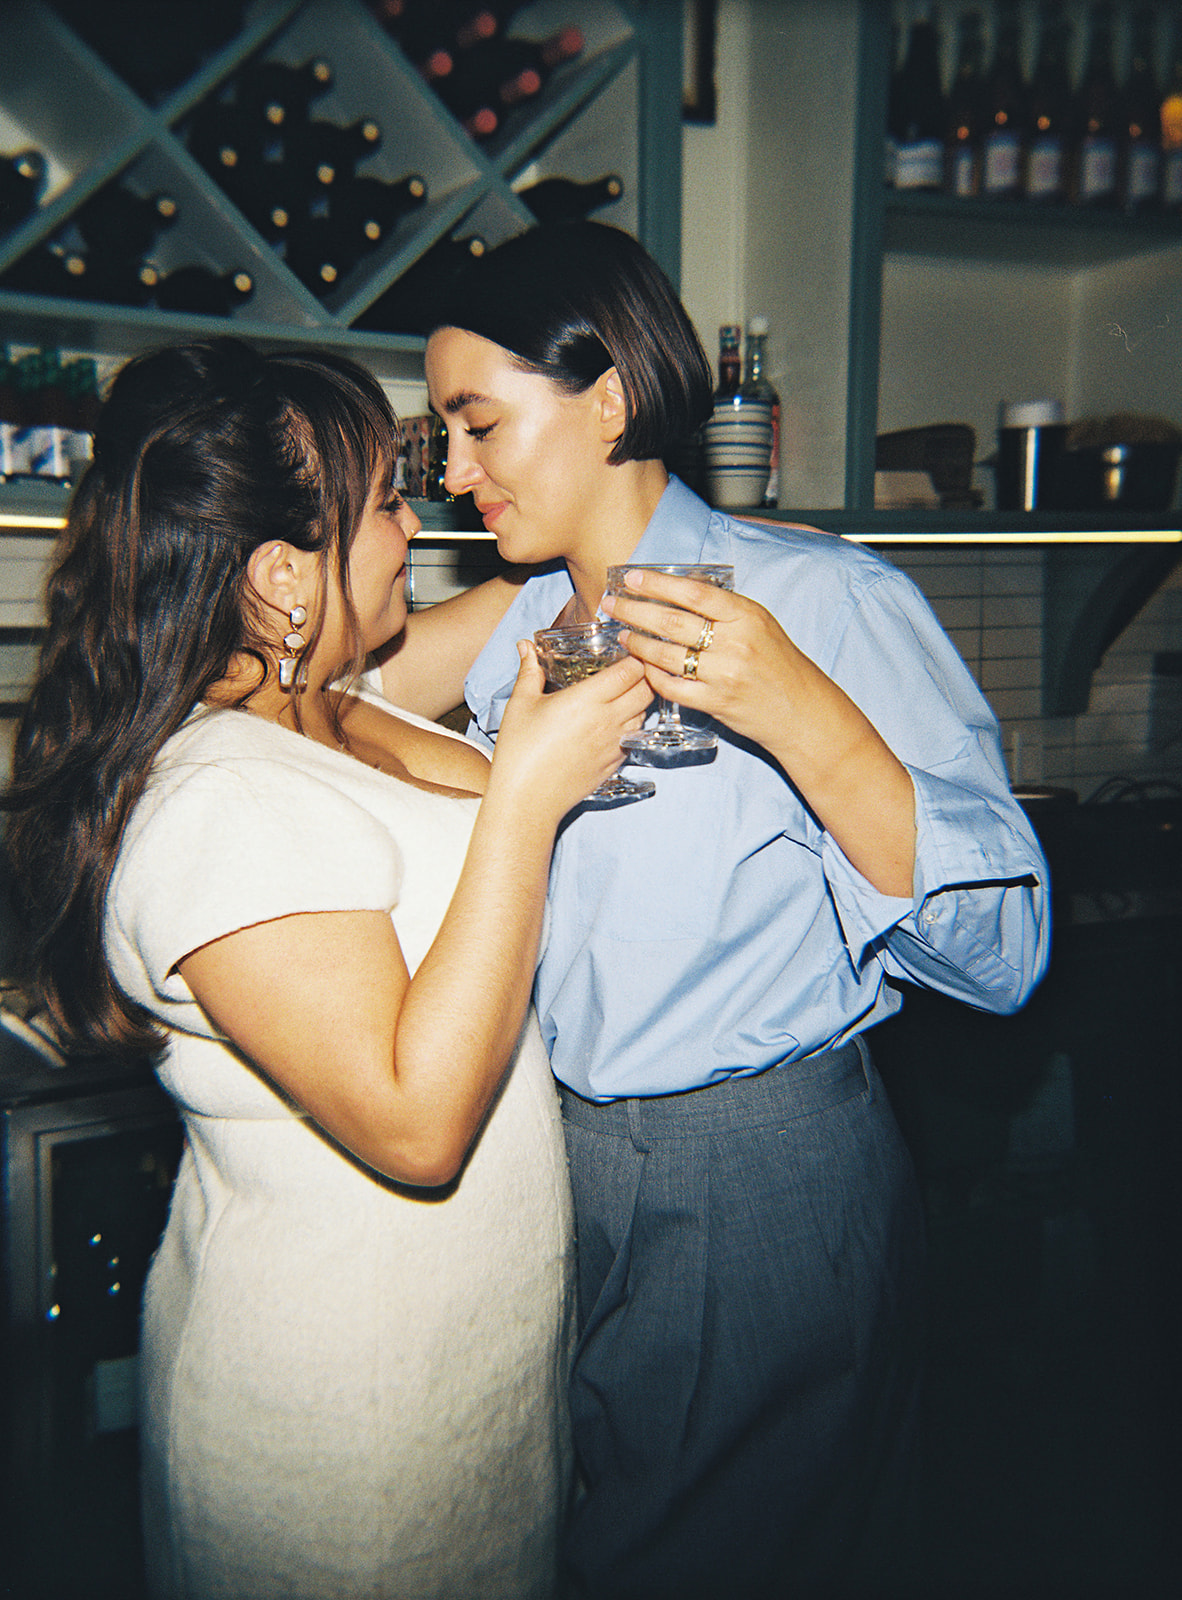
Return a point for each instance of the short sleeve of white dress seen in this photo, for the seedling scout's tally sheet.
(235, 827)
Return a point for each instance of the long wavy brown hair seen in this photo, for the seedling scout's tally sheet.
(202, 452)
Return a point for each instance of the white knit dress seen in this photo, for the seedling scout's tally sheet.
(349, 1390)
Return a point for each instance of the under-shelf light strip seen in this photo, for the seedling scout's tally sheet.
(14, 519)
(1143, 536)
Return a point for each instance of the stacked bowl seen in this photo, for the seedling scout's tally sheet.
(738, 450)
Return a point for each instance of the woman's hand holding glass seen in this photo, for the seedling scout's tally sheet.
(720, 654)
(671, 742)
(558, 748)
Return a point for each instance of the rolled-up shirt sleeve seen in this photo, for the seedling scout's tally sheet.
(977, 926)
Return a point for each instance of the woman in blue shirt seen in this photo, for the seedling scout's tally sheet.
(750, 1240)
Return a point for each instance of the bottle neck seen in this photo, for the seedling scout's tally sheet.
(755, 356)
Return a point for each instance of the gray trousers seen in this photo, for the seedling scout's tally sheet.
(745, 1395)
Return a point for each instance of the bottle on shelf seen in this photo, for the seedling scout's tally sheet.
(22, 181)
(489, 81)
(12, 419)
(320, 154)
(435, 489)
(1050, 135)
(368, 209)
(1139, 157)
(966, 111)
(1098, 116)
(1003, 143)
(279, 95)
(317, 253)
(48, 409)
(740, 439)
(530, 62)
(202, 290)
(49, 269)
(565, 200)
(756, 390)
(730, 361)
(227, 143)
(118, 222)
(120, 280)
(39, 445)
(409, 304)
(425, 33)
(918, 131)
(1171, 122)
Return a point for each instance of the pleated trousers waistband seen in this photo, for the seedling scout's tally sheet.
(781, 1093)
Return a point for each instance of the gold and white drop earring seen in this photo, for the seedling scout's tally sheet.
(293, 643)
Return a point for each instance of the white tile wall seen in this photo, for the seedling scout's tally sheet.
(991, 606)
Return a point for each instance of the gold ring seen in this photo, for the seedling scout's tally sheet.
(706, 637)
(689, 667)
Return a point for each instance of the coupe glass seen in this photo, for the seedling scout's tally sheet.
(669, 743)
(571, 654)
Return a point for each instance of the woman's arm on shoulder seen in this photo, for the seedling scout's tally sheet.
(423, 670)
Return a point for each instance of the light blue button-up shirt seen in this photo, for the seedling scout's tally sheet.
(716, 928)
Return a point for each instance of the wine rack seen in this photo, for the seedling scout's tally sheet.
(614, 108)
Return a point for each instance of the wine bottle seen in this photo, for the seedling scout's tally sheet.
(435, 489)
(321, 154)
(1171, 123)
(322, 248)
(278, 94)
(120, 280)
(1139, 155)
(756, 391)
(368, 209)
(424, 32)
(49, 269)
(565, 200)
(526, 64)
(227, 143)
(319, 255)
(730, 364)
(1098, 117)
(1050, 126)
(502, 74)
(966, 111)
(410, 304)
(116, 221)
(1005, 110)
(919, 112)
(22, 180)
(202, 290)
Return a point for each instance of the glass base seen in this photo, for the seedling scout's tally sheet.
(680, 747)
(619, 792)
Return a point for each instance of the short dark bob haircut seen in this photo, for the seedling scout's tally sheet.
(569, 301)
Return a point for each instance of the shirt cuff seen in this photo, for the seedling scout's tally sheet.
(962, 838)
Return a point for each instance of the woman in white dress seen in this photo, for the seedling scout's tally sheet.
(356, 1326)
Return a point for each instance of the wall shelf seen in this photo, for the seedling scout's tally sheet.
(1063, 237)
